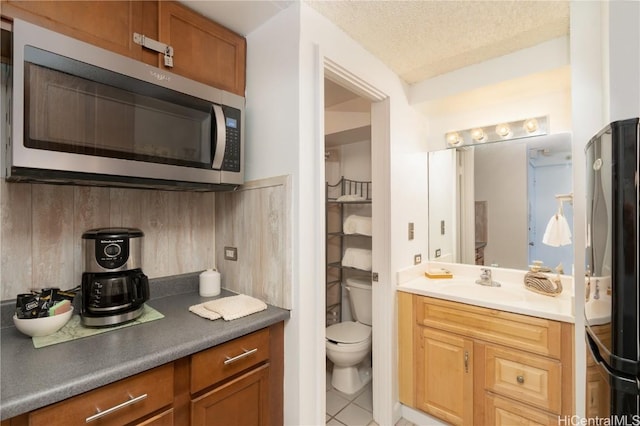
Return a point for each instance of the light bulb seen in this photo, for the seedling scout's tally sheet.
(454, 139)
(478, 135)
(530, 125)
(503, 130)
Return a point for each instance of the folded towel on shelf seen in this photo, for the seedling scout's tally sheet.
(355, 224)
(357, 258)
(229, 308)
(350, 197)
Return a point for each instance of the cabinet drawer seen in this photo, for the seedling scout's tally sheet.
(163, 419)
(502, 412)
(213, 365)
(137, 396)
(531, 334)
(525, 377)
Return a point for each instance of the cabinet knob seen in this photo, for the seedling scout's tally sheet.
(520, 379)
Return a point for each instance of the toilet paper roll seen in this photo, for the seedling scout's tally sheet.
(209, 283)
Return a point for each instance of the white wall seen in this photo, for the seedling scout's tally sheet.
(355, 160)
(442, 204)
(623, 60)
(272, 149)
(285, 135)
(507, 237)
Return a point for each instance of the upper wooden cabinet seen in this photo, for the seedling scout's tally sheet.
(107, 24)
(203, 50)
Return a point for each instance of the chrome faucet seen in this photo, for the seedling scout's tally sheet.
(596, 294)
(486, 279)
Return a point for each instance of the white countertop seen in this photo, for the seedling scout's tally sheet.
(511, 296)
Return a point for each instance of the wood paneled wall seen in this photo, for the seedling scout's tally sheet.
(41, 228)
(257, 220)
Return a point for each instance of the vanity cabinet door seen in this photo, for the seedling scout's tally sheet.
(444, 375)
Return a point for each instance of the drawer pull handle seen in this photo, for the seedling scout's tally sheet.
(466, 361)
(245, 354)
(520, 379)
(106, 412)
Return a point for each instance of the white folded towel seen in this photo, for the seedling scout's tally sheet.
(357, 258)
(229, 308)
(355, 224)
(350, 197)
(200, 310)
(558, 232)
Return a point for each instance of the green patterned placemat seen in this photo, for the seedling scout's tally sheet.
(74, 330)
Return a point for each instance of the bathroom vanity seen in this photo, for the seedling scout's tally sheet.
(470, 354)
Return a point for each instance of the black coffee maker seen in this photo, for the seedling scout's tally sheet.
(114, 288)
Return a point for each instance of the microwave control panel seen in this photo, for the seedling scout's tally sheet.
(231, 159)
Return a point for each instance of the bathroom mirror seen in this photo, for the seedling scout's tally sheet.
(491, 204)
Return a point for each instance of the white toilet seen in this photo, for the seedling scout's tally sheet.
(349, 343)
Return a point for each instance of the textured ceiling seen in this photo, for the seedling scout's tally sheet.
(422, 39)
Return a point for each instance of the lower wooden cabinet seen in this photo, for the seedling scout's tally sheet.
(505, 412)
(241, 401)
(449, 396)
(116, 404)
(236, 383)
(230, 383)
(468, 365)
(163, 419)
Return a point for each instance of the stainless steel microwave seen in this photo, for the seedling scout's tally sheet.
(84, 115)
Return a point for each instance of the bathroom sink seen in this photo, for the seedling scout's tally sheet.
(480, 292)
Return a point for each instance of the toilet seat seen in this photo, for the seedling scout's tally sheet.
(348, 333)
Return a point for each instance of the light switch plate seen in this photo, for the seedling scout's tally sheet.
(231, 253)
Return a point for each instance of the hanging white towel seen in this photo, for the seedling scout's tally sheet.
(357, 258)
(558, 232)
(355, 224)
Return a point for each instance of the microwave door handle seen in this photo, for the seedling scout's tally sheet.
(220, 137)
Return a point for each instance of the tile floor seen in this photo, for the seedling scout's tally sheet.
(352, 410)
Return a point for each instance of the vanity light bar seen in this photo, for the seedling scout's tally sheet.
(534, 126)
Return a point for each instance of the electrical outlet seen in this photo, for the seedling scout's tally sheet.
(231, 253)
(417, 259)
(438, 253)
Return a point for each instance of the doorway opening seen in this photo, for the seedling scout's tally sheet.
(349, 236)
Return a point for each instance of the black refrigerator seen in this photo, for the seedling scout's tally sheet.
(611, 303)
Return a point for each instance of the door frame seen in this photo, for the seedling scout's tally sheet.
(383, 293)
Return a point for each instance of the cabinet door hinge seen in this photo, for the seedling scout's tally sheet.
(156, 46)
(374, 276)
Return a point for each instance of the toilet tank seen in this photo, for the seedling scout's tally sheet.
(360, 298)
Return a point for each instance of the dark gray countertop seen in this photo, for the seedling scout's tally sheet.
(33, 378)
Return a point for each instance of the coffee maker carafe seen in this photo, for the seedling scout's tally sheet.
(114, 288)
